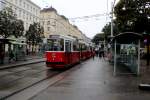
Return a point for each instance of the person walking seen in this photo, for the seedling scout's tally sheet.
(93, 54)
(2, 57)
(11, 56)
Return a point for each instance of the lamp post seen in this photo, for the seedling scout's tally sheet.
(112, 20)
(147, 41)
(112, 11)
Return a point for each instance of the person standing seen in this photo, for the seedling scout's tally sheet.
(93, 54)
(11, 56)
(2, 56)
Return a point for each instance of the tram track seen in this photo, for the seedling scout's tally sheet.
(23, 79)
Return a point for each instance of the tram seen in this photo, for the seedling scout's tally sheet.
(64, 51)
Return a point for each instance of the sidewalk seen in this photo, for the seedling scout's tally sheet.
(94, 80)
(28, 60)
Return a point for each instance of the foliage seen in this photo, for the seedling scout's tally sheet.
(133, 15)
(18, 28)
(98, 37)
(9, 24)
(107, 30)
(35, 33)
(6, 20)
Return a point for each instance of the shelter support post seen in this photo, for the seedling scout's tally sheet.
(115, 58)
(138, 69)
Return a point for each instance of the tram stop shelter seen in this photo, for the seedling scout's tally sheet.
(126, 53)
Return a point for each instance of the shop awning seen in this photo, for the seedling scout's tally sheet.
(17, 43)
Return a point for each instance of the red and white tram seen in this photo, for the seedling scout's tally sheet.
(64, 51)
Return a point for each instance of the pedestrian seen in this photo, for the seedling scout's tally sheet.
(93, 54)
(103, 54)
(23, 55)
(2, 57)
(99, 53)
(27, 51)
(11, 56)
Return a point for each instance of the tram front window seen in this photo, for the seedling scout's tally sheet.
(55, 44)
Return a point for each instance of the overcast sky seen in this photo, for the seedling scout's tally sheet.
(85, 9)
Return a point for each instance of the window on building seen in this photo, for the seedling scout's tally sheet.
(33, 19)
(15, 10)
(53, 23)
(16, 1)
(24, 4)
(28, 6)
(26, 25)
(30, 17)
(33, 10)
(20, 2)
(48, 28)
(19, 13)
(24, 14)
(48, 23)
(11, 7)
(27, 16)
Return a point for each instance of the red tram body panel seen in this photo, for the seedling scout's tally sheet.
(61, 59)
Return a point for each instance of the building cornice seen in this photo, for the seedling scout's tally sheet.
(34, 4)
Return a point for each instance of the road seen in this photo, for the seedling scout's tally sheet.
(14, 80)
(91, 80)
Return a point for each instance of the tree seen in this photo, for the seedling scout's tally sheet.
(18, 28)
(97, 38)
(35, 34)
(6, 19)
(133, 15)
(9, 24)
(107, 30)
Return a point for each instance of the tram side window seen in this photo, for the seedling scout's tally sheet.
(68, 46)
(75, 46)
(84, 47)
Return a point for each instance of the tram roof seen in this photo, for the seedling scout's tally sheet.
(61, 36)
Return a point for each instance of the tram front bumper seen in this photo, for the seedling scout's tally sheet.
(55, 64)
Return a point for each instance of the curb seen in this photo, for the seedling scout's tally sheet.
(21, 64)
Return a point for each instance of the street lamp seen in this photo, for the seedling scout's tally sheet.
(112, 11)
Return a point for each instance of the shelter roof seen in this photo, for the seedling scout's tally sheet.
(127, 37)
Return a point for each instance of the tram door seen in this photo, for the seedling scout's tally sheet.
(68, 51)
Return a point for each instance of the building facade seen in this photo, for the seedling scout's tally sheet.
(2, 4)
(25, 10)
(54, 23)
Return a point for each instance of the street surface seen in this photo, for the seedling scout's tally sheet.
(16, 79)
(90, 80)
(94, 80)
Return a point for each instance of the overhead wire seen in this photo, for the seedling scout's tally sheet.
(89, 17)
